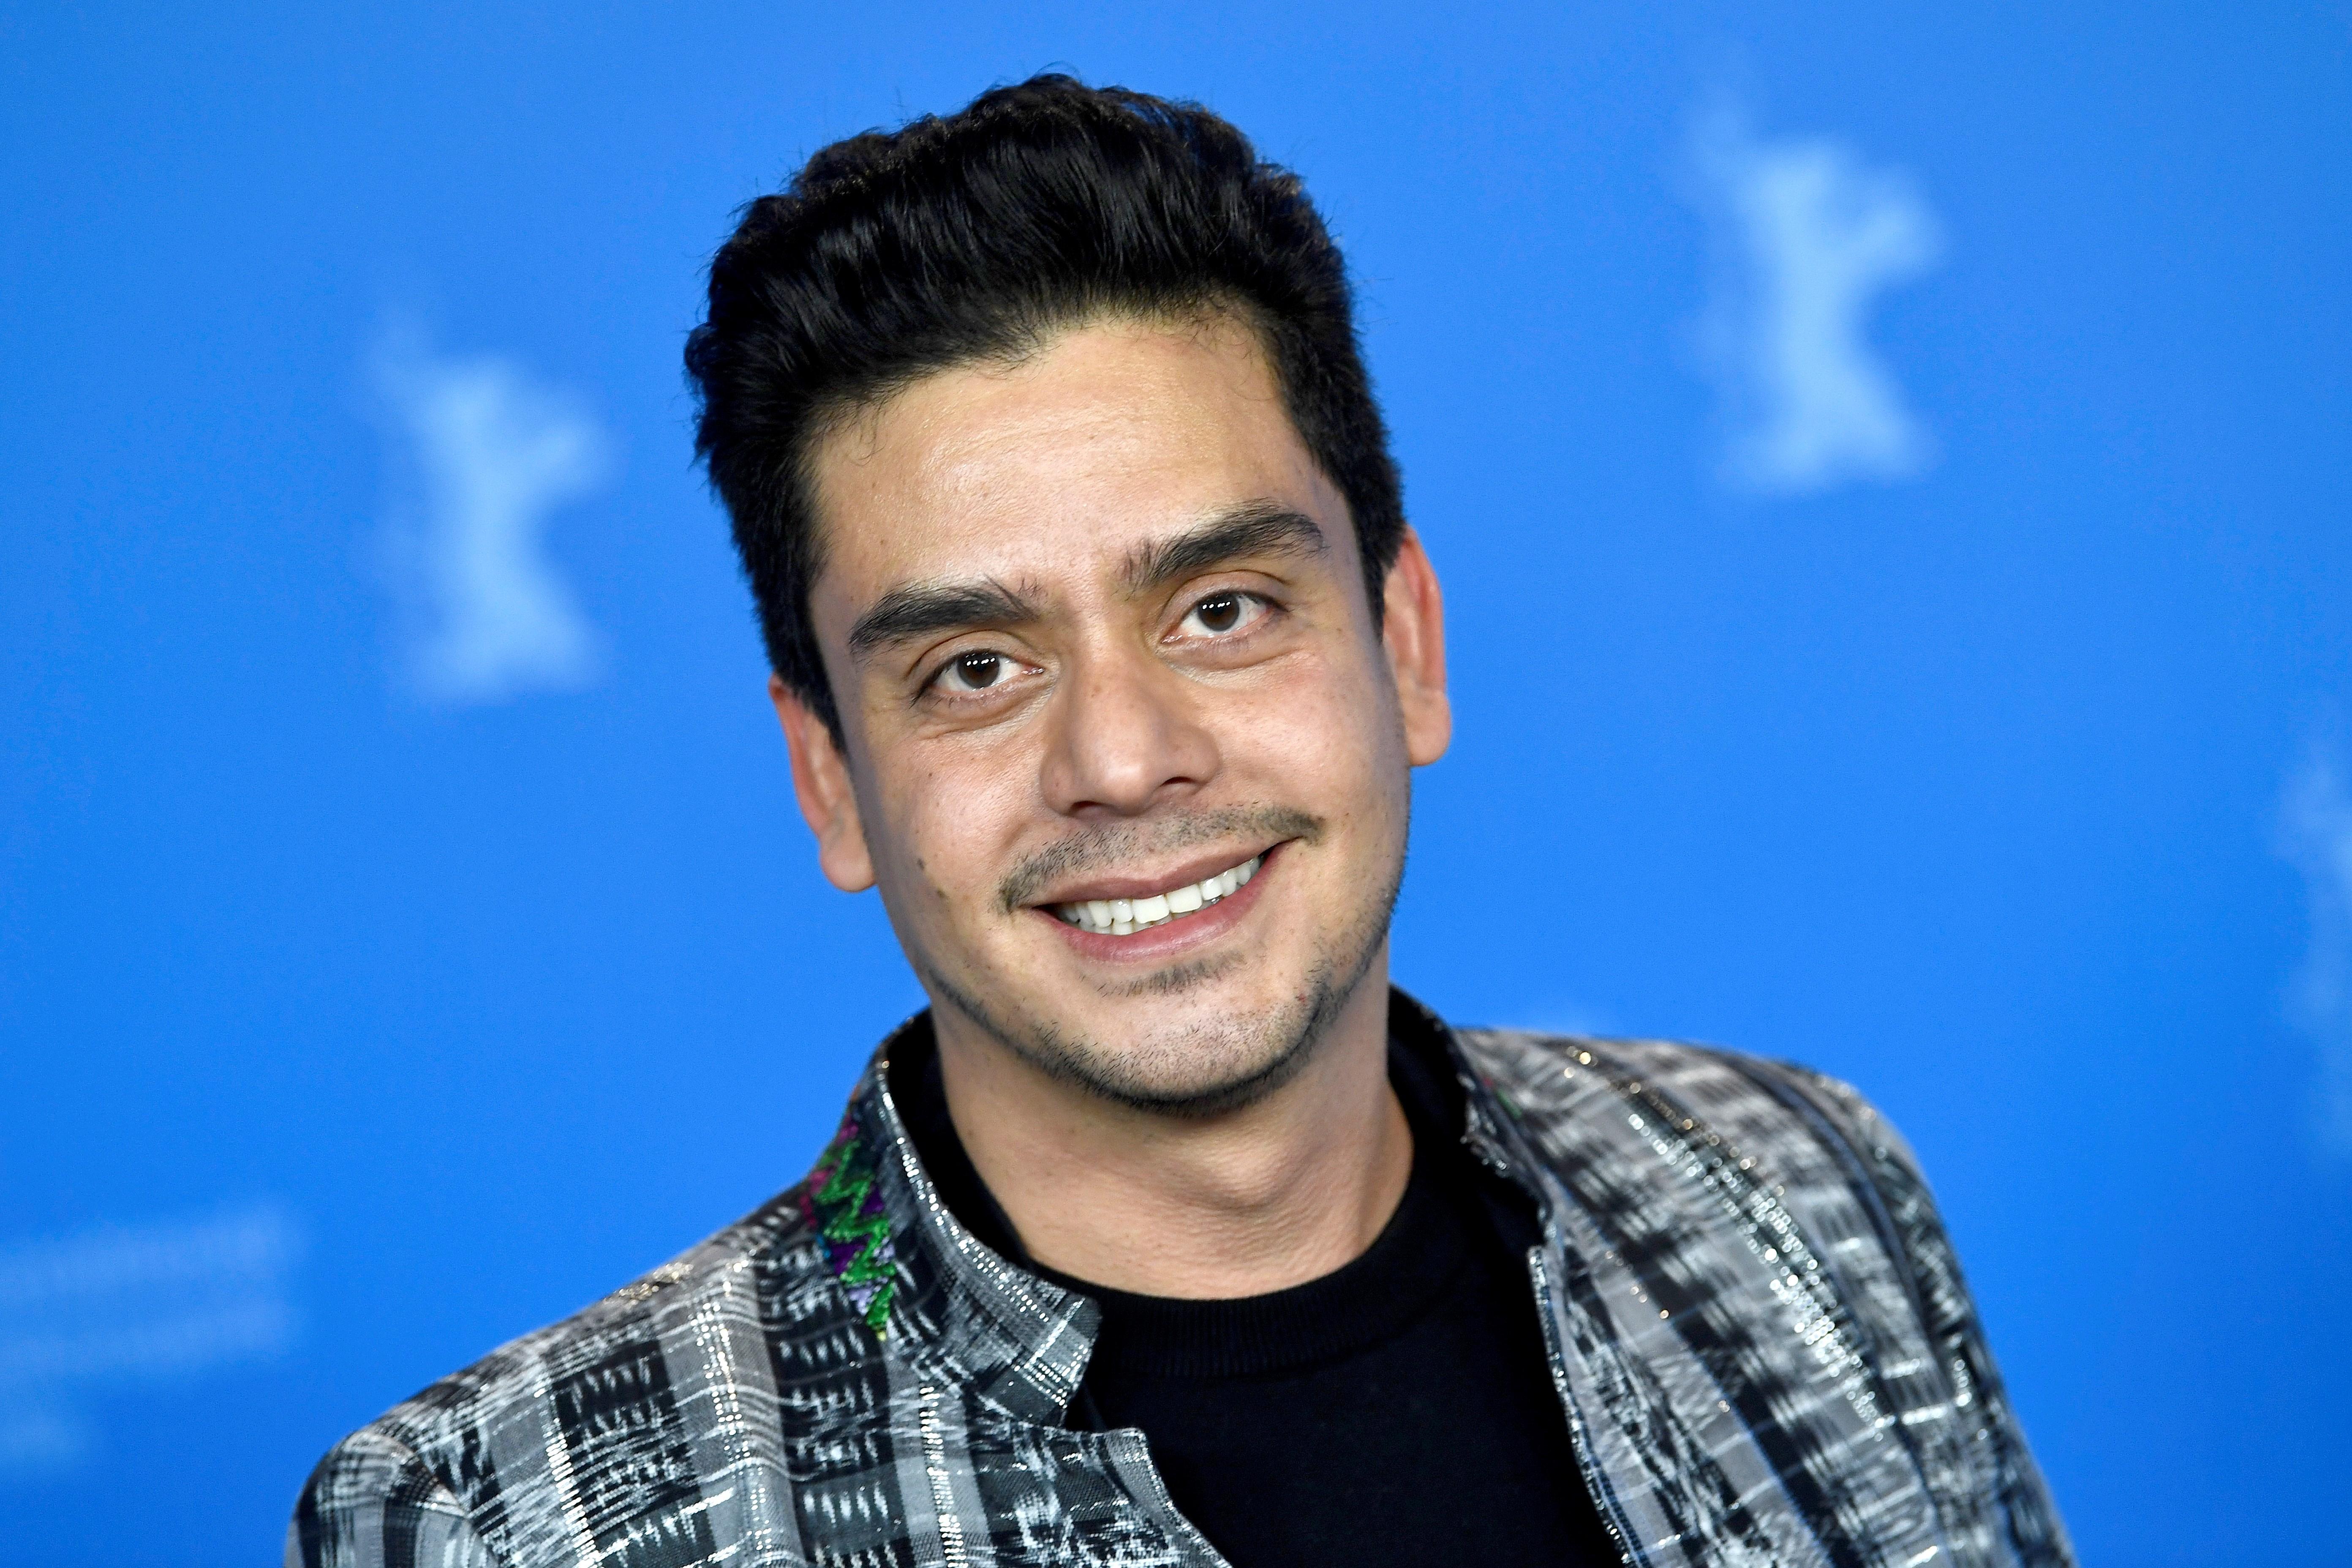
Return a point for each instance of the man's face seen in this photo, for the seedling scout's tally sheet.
(1124, 751)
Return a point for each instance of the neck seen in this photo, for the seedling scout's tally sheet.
(1268, 1195)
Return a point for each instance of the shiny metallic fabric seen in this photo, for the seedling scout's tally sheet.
(1754, 1319)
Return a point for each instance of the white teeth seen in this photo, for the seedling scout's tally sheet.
(1124, 917)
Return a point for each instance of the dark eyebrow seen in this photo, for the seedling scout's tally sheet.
(1253, 528)
(922, 609)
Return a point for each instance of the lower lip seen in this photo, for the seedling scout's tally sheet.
(1177, 936)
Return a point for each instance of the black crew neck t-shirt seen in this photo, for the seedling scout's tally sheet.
(1398, 1411)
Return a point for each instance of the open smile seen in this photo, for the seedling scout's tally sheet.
(1154, 917)
(1125, 917)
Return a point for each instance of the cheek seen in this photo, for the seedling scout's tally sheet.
(953, 822)
(1329, 739)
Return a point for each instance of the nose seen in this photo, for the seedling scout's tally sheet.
(1129, 735)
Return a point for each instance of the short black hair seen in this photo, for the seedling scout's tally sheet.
(975, 236)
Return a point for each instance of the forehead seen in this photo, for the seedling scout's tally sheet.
(1109, 435)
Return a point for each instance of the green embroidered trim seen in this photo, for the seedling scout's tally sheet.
(854, 1225)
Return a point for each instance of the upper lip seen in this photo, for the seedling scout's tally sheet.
(1199, 868)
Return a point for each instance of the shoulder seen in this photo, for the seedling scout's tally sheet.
(1779, 1099)
(1830, 1153)
(1694, 1162)
(603, 1420)
(1664, 1129)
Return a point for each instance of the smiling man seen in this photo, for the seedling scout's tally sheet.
(1171, 1233)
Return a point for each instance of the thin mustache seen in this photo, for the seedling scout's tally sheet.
(1093, 849)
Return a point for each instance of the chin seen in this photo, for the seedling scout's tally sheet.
(1190, 1076)
(1233, 1051)
(1238, 1058)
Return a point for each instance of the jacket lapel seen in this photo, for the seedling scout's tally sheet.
(1705, 1347)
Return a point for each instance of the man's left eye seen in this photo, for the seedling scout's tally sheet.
(1221, 614)
(975, 671)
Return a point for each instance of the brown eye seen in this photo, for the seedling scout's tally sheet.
(1219, 611)
(1222, 615)
(974, 671)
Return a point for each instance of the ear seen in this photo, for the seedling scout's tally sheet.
(821, 781)
(1413, 631)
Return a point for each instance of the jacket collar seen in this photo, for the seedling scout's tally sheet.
(958, 1312)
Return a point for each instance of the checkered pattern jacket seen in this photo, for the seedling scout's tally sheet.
(1754, 1319)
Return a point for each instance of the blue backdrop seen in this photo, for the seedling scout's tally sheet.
(1889, 474)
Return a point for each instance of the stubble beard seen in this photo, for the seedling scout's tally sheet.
(1205, 1070)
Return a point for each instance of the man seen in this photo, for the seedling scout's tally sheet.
(1171, 1233)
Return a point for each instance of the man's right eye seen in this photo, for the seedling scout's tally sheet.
(973, 671)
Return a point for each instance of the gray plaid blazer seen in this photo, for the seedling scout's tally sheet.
(1754, 1319)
